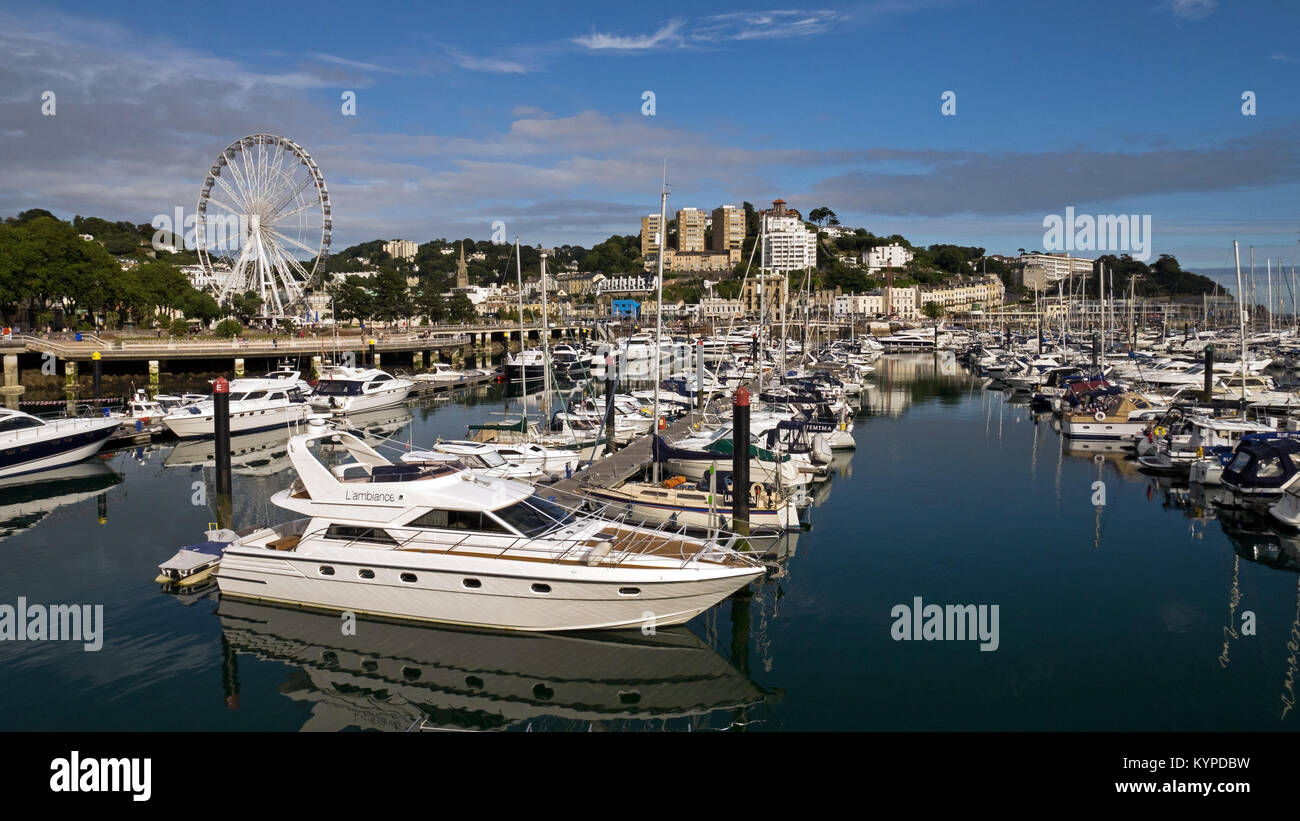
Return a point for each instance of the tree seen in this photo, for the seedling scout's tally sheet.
(821, 215)
(392, 297)
(461, 309)
(932, 310)
(245, 306)
(228, 328)
(352, 300)
(179, 327)
(199, 305)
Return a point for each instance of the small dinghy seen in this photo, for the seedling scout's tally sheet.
(196, 562)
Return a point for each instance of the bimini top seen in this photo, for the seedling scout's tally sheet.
(1263, 464)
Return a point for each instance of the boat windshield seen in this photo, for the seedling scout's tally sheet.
(533, 516)
(337, 387)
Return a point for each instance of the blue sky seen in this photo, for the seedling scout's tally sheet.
(531, 114)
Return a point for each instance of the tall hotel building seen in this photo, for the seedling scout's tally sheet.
(728, 231)
(787, 244)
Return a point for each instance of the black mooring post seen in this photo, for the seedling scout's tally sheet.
(1096, 352)
(740, 461)
(221, 446)
(1209, 371)
(95, 359)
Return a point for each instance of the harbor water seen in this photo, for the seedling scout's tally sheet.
(1122, 602)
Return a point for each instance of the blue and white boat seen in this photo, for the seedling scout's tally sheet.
(29, 444)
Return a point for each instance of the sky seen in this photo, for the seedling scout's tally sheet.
(534, 114)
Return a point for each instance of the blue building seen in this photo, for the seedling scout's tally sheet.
(625, 309)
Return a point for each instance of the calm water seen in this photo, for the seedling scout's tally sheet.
(1110, 617)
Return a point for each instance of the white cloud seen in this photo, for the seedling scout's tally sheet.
(1193, 9)
(665, 36)
(487, 64)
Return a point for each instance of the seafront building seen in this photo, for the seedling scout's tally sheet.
(1039, 272)
(886, 256)
(964, 293)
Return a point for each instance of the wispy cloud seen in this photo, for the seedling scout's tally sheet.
(343, 61)
(765, 24)
(665, 36)
(1193, 9)
(1281, 58)
(756, 25)
(491, 65)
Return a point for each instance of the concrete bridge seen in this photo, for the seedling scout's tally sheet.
(129, 355)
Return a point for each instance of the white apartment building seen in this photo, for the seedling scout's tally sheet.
(787, 244)
(400, 249)
(887, 256)
(1042, 271)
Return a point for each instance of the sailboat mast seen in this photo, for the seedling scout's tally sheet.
(546, 348)
(659, 308)
(1241, 319)
(523, 334)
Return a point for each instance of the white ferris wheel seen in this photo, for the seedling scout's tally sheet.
(263, 223)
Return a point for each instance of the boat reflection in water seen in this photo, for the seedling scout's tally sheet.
(1254, 536)
(395, 676)
(26, 500)
(264, 453)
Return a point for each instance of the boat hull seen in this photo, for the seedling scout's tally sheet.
(579, 597)
(197, 425)
(23, 457)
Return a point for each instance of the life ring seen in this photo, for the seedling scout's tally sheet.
(1160, 430)
(1100, 416)
(755, 493)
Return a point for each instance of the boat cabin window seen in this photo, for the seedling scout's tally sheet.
(354, 533)
(1239, 462)
(19, 423)
(235, 397)
(256, 395)
(533, 516)
(1269, 467)
(458, 520)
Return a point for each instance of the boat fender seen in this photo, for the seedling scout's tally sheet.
(600, 551)
(1100, 416)
(1160, 431)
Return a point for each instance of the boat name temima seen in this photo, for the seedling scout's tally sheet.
(953, 622)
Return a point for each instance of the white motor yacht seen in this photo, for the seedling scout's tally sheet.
(435, 543)
(352, 390)
(29, 444)
(255, 404)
